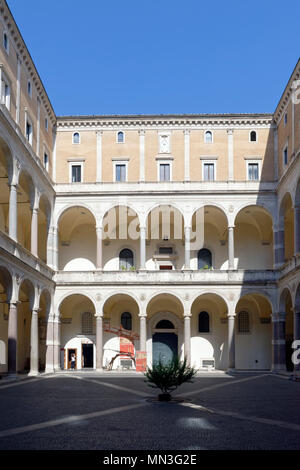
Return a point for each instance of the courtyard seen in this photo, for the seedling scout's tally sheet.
(114, 411)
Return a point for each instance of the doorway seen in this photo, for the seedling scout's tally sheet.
(88, 355)
(70, 352)
(165, 347)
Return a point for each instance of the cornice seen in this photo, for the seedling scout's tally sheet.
(156, 121)
(287, 93)
(26, 58)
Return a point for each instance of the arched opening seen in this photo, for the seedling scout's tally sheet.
(77, 240)
(25, 305)
(209, 332)
(253, 238)
(121, 337)
(78, 327)
(121, 232)
(286, 306)
(165, 235)
(209, 239)
(5, 173)
(5, 293)
(286, 220)
(25, 204)
(253, 136)
(45, 304)
(253, 333)
(165, 329)
(126, 260)
(43, 227)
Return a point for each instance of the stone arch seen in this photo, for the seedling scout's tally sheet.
(77, 239)
(253, 236)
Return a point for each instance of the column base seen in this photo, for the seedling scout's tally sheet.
(33, 373)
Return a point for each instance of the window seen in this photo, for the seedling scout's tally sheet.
(87, 323)
(6, 42)
(126, 259)
(285, 119)
(164, 325)
(253, 171)
(253, 136)
(76, 173)
(203, 322)
(76, 138)
(208, 137)
(28, 131)
(285, 155)
(165, 250)
(29, 89)
(46, 161)
(204, 259)
(5, 98)
(208, 171)
(126, 321)
(120, 137)
(46, 124)
(120, 172)
(164, 172)
(243, 322)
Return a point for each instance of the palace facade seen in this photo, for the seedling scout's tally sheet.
(125, 239)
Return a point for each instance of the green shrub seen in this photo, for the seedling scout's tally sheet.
(167, 377)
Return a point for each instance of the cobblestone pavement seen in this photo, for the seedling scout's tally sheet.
(92, 412)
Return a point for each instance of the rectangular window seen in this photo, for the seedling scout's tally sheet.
(120, 172)
(6, 42)
(29, 132)
(46, 124)
(164, 172)
(5, 98)
(253, 171)
(165, 250)
(209, 172)
(46, 161)
(285, 156)
(76, 173)
(165, 267)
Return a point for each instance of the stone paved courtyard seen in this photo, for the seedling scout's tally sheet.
(111, 412)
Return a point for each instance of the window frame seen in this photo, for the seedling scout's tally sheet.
(127, 266)
(254, 162)
(238, 331)
(212, 259)
(212, 136)
(117, 135)
(29, 121)
(256, 137)
(285, 149)
(76, 162)
(79, 140)
(5, 35)
(5, 100)
(117, 162)
(29, 88)
(209, 162)
(164, 162)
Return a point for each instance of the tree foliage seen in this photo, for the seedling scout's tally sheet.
(167, 377)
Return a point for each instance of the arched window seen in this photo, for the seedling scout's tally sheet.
(126, 259)
(252, 136)
(165, 324)
(208, 137)
(126, 321)
(87, 323)
(120, 137)
(204, 259)
(243, 322)
(76, 138)
(203, 322)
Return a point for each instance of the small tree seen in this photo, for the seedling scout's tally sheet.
(167, 377)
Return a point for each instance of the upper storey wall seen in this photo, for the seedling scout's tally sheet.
(146, 145)
(287, 118)
(22, 92)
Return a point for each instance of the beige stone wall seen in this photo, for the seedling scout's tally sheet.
(284, 136)
(199, 149)
(243, 148)
(10, 68)
(66, 150)
(111, 149)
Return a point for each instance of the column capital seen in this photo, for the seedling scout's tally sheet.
(99, 315)
(35, 311)
(186, 131)
(230, 131)
(141, 132)
(187, 315)
(231, 226)
(143, 315)
(231, 315)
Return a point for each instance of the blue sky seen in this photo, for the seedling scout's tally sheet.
(160, 57)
